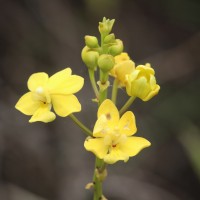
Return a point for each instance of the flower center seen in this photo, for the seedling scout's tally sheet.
(114, 138)
(42, 95)
(40, 90)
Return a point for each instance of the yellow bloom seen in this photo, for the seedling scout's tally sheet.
(123, 66)
(113, 140)
(45, 92)
(122, 57)
(142, 83)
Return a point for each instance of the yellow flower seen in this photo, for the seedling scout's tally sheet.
(142, 83)
(113, 140)
(45, 92)
(122, 57)
(123, 66)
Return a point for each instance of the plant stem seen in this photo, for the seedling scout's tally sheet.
(127, 105)
(93, 82)
(97, 179)
(114, 91)
(100, 166)
(103, 87)
(81, 125)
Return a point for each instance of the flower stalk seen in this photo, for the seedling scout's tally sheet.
(93, 82)
(98, 177)
(114, 91)
(87, 131)
(127, 105)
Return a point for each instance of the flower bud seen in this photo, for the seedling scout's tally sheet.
(142, 83)
(105, 26)
(106, 62)
(123, 66)
(121, 57)
(89, 57)
(109, 38)
(117, 48)
(91, 41)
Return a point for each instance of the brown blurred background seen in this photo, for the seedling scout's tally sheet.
(47, 161)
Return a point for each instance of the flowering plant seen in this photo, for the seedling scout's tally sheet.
(112, 138)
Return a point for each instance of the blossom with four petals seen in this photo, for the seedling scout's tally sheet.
(46, 92)
(113, 138)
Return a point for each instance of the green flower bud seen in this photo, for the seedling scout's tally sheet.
(89, 57)
(106, 62)
(117, 48)
(91, 41)
(105, 26)
(109, 38)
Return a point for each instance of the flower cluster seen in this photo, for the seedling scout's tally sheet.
(113, 137)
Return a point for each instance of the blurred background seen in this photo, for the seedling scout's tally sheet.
(47, 161)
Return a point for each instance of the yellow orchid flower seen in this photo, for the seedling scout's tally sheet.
(113, 136)
(142, 83)
(45, 92)
(123, 66)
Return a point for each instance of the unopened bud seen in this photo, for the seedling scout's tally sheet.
(91, 41)
(109, 38)
(106, 62)
(117, 48)
(105, 26)
(90, 58)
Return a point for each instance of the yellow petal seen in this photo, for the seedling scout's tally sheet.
(152, 93)
(100, 127)
(141, 88)
(65, 104)
(58, 79)
(27, 105)
(60, 76)
(65, 85)
(127, 124)
(97, 146)
(37, 80)
(115, 155)
(43, 114)
(133, 145)
(121, 57)
(123, 69)
(109, 109)
(146, 69)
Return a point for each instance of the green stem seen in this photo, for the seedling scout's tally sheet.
(103, 86)
(100, 166)
(93, 82)
(127, 105)
(98, 178)
(114, 91)
(103, 77)
(102, 96)
(81, 125)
